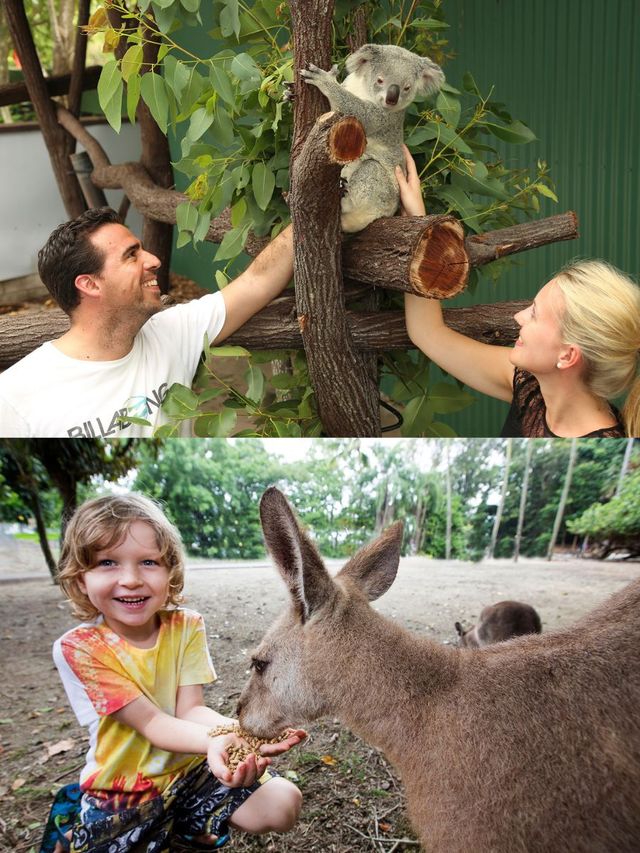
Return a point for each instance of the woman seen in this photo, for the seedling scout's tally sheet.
(578, 348)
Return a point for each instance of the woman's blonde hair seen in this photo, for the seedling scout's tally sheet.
(103, 523)
(602, 317)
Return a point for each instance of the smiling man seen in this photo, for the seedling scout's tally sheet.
(123, 350)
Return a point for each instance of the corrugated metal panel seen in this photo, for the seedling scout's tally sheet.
(570, 69)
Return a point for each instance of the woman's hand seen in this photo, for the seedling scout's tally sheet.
(410, 190)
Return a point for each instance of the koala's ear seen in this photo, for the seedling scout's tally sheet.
(431, 77)
(356, 61)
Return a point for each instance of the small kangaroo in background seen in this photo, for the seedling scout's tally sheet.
(530, 746)
(382, 81)
(500, 622)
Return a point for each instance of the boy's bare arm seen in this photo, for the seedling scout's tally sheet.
(259, 284)
(177, 735)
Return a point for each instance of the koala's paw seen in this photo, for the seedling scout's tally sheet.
(318, 77)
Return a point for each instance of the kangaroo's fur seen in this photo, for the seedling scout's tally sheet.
(531, 745)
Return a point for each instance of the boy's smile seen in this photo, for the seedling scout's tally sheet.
(129, 584)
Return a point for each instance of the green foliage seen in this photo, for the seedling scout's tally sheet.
(210, 490)
(614, 525)
(236, 132)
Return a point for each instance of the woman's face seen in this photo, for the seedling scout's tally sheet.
(539, 346)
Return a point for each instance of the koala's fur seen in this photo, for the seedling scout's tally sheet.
(382, 81)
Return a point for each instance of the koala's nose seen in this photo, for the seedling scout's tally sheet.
(393, 93)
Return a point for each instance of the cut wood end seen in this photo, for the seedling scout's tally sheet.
(440, 266)
(347, 140)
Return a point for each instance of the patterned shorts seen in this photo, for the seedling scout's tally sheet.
(195, 805)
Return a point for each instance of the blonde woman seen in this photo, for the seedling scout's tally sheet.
(577, 348)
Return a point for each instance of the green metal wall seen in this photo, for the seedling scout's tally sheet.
(570, 70)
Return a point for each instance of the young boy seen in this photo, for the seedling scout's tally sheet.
(133, 672)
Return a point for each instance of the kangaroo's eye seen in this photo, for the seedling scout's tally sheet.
(259, 665)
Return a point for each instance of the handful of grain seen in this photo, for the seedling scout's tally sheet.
(239, 753)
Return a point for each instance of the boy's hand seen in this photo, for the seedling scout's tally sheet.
(247, 771)
(293, 738)
(410, 189)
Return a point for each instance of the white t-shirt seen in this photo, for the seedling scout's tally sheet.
(49, 395)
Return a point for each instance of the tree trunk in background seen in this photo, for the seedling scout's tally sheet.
(625, 465)
(503, 495)
(523, 500)
(5, 43)
(61, 19)
(55, 137)
(563, 498)
(447, 475)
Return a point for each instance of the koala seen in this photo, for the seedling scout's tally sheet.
(381, 82)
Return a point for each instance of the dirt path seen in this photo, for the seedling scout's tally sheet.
(352, 799)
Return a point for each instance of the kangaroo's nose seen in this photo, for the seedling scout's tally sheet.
(393, 93)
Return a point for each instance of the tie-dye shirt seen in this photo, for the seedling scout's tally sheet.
(102, 673)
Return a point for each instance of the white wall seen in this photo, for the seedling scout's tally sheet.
(30, 205)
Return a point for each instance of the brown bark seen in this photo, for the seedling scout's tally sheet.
(76, 83)
(54, 136)
(276, 327)
(423, 255)
(348, 400)
(311, 23)
(17, 93)
(484, 248)
(358, 33)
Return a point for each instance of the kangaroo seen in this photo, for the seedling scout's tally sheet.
(530, 746)
(499, 622)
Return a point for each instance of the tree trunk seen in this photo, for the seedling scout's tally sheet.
(345, 392)
(54, 136)
(503, 495)
(447, 476)
(276, 327)
(523, 500)
(563, 498)
(625, 465)
(5, 43)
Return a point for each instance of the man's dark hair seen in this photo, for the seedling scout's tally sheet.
(69, 253)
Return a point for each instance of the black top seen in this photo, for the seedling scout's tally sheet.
(527, 416)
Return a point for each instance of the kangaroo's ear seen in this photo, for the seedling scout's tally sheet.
(297, 559)
(374, 567)
(459, 629)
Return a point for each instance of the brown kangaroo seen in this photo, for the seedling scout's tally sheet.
(526, 746)
(499, 622)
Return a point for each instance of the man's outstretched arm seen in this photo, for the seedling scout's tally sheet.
(263, 280)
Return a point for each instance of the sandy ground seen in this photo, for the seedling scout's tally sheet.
(353, 800)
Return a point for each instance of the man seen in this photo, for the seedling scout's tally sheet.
(122, 351)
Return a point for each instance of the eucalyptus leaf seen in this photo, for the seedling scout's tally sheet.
(221, 84)
(154, 94)
(516, 133)
(131, 62)
(263, 183)
(254, 378)
(245, 68)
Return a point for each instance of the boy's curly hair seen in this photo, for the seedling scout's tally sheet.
(102, 523)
